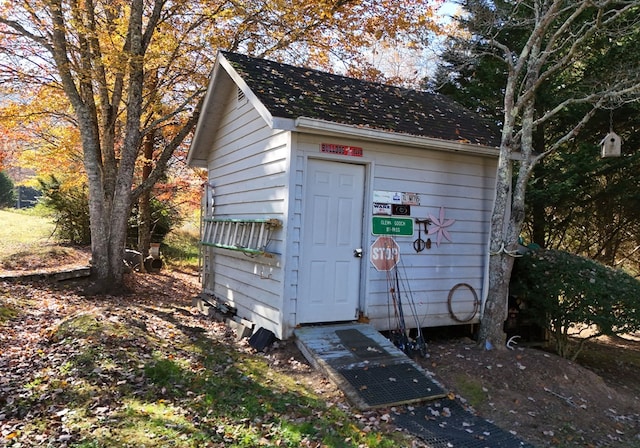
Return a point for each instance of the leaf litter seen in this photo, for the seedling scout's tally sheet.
(149, 369)
(81, 370)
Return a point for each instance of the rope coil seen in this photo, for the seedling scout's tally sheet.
(476, 302)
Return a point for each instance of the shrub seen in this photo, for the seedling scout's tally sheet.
(69, 208)
(70, 211)
(164, 218)
(575, 298)
(7, 194)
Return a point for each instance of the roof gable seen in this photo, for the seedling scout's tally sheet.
(292, 92)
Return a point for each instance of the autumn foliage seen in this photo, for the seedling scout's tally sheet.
(89, 81)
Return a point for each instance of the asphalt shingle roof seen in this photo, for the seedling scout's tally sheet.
(291, 92)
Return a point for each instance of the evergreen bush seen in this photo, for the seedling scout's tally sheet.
(7, 193)
(575, 298)
(164, 218)
(70, 211)
(69, 208)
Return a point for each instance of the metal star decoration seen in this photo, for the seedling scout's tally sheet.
(439, 226)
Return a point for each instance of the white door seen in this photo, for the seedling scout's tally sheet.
(332, 231)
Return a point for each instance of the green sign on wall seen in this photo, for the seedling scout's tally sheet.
(389, 225)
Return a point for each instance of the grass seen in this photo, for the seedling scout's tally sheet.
(27, 234)
(123, 386)
(23, 230)
(471, 389)
(27, 241)
(180, 246)
(7, 313)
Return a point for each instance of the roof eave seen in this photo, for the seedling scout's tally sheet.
(197, 154)
(324, 127)
(223, 77)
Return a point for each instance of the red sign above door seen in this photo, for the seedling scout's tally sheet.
(353, 151)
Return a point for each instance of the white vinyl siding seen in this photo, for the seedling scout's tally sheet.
(248, 171)
(464, 186)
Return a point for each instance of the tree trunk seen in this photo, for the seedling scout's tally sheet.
(491, 334)
(108, 238)
(110, 202)
(144, 204)
(144, 227)
(506, 224)
(107, 234)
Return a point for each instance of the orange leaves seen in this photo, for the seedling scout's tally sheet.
(90, 83)
(12, 435)
(45, 143)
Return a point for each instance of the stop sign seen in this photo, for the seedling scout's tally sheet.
(385, 253)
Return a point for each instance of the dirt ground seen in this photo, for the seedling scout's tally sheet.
(543, 399)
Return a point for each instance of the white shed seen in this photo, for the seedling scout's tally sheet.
(318, 184)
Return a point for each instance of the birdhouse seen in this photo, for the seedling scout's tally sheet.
(611, 145)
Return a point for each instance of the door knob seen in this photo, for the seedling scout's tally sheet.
(357, 253)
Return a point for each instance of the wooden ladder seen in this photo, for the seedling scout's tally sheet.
(246, 235)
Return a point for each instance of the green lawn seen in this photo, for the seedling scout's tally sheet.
(27, 233)
(20, 231)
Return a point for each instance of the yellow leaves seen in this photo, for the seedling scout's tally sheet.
(224, 13)
(177, 60)
(12, 435)
(40, 145)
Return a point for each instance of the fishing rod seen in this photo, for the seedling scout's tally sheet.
(405, 346)
(419, 343)
(400, 336)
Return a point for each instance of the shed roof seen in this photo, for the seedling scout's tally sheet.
(306, 100)
(291, 92)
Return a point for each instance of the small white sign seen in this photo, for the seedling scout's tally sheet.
(410, 199)
(381, 209)
(387, 197)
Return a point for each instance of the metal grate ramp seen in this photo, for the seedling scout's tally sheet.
(368, 368)
(373, 373)
(391, 385)
(446, 424)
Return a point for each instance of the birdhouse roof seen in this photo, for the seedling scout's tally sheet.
(610, 136)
